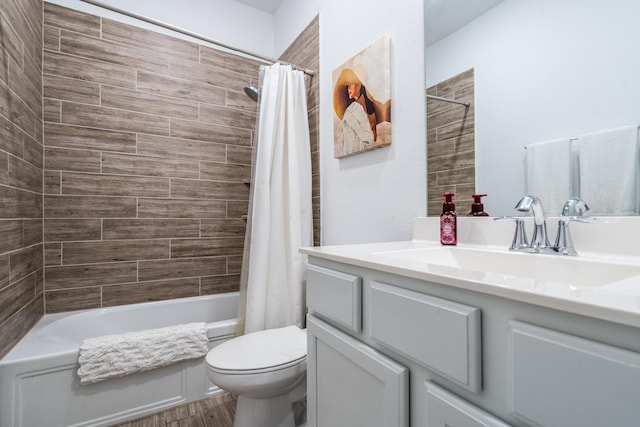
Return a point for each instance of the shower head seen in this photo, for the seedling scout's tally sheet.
(252, 92)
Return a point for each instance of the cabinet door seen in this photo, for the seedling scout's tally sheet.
(351, 384)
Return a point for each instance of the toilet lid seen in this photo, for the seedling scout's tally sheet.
(260, 350)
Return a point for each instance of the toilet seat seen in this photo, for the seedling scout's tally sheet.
(260, 352)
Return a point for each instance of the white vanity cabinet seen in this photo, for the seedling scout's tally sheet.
(392, 350)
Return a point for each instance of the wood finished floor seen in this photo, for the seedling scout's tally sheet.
(217, 411)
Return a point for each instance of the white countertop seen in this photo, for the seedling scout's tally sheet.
(618, 301)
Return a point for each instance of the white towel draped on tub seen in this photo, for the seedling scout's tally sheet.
(113, 356)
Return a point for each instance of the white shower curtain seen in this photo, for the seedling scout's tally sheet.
(280, 216)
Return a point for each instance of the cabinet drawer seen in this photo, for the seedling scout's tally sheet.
(441, 335)
(445, 409)
(556, 379)
(335, 296)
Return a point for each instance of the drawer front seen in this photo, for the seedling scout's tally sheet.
(445, 409)
(441, 335)
(335, 296)
(556, 379)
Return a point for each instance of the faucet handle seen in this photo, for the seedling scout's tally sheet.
(564, 243)
(520, 240)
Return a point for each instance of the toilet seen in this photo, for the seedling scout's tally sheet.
(266, 370)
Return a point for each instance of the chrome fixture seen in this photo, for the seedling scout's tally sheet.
(573, 210)
(252, 92)
(539, 240)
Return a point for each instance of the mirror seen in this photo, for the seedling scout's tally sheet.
(543, 70)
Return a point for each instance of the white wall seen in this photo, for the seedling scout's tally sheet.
(226, 21)
(543, 69)
(372, 196)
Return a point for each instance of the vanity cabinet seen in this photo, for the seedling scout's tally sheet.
(390, 350)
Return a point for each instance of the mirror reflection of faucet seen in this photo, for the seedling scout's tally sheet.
(573, 210)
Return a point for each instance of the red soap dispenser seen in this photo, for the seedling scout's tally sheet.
(477, 208)
(448, 221)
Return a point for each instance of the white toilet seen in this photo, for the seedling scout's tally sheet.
(266, 370)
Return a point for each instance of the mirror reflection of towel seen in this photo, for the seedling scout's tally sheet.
(609, 171)
(549, 173)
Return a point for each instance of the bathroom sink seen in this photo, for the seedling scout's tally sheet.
(575, 271)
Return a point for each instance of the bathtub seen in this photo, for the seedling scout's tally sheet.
(39, 385)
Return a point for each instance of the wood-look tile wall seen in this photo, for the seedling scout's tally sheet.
(451, 144)
(305, 52)
(147, 158)
(21, 162)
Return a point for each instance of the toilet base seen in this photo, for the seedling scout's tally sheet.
(272, 412)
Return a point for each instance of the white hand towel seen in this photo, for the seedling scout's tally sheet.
(609, 171)
(549, 173)
(113, 356)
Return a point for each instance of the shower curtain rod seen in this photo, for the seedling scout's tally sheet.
(453, 101)
(192, 34)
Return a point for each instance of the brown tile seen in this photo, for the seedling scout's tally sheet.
(15, 203)
(12, 138)
(4, 270)
(219, 284)
(210, 132)
(158, 84)
(133, 293)
(16, 296)
(237, 209)
(51, 38)
(19, 324)
(113, 119)
(190, 248)
(117, 229)
(234, 264)
(76, 276)
(4, 168)
(72, 20)
(126, 99)
(215, 78)
(12, 235)
(239, 155)
(52, 110)
(89, 207)
(152, 145)
(113, 53)
(225, 172)
(16, 110)
(33, 152)
(147, 39)
(209, 190)
(114, 185)
(53, 254)
(32, 231)
(11, 41)
(75, 67)
(226, 116)
(229, 62)
(87, 138)
(452, 162)
(64, 159)
(24, 262)
(72, 229)
(239, 100)
(181, 208)
(125, 164)
(107, 251)
(73, 90)
(52, 182)
(28, 91)
(24, 175)
(223, 227)
(181, 268)
(73, 299)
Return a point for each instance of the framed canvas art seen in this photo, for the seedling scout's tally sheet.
(362, 101)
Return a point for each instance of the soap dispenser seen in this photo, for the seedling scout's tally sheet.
(477, 208)
(448, 221)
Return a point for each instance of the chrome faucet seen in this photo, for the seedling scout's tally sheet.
(573, 210)
(539, 239)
